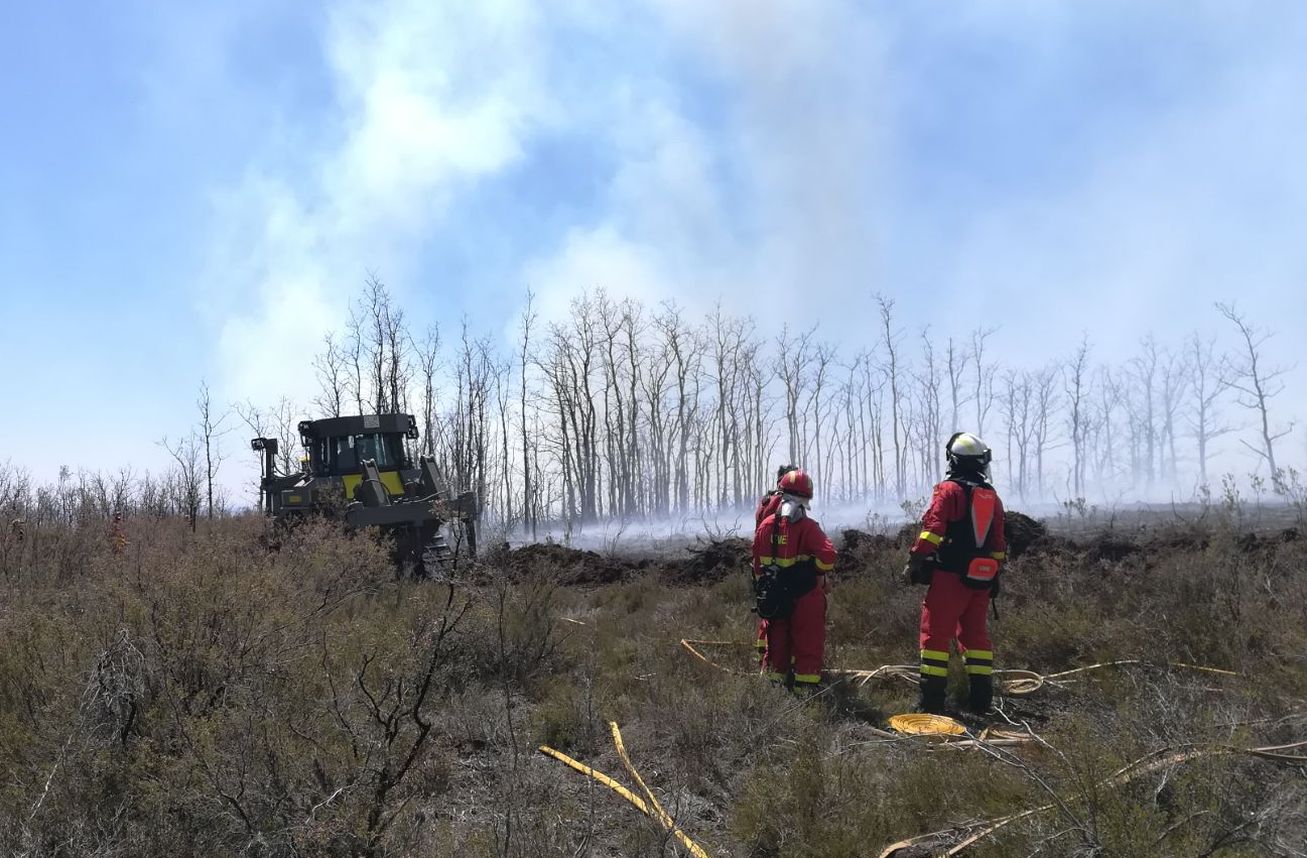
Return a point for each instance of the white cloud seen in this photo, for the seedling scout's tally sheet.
(771, 187)
(795, 148)
(429, 96)
(1201, 202)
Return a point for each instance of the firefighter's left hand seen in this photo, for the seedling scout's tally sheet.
(914, 564)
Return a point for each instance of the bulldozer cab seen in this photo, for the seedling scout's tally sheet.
(338, 447)
(344, 454)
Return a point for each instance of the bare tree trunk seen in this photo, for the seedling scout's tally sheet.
(984, 377)
(1257, 386)
(211, 432)
(822, 357)
(1075, 378)
(1174, 380)
(891, 349)
(792, 365)
(956, 365)
(1045, 403)
(1209, 378)
(330, 366)
(928, 382)
(428, 361)
(529, 511)
(1144, 408)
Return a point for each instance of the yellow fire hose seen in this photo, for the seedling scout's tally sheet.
(652, 809)
(1011, 683)
(660, 814)
(598, 776)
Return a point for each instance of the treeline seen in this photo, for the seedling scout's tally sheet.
(90, 495)
(624, 410)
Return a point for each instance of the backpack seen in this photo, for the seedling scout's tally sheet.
(963, 550)
(772, 594)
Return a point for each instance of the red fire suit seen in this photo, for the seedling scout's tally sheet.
(797, 643)
(963, 523)
(768, 504)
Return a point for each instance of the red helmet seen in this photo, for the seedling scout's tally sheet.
(797, 483)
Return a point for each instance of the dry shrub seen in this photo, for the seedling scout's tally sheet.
(240, 691)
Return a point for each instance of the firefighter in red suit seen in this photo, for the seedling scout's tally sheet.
(788, 539)
(959, 554)
(767, 505)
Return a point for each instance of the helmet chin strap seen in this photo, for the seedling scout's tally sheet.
(959, 468)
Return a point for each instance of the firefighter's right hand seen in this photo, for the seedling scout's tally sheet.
(912, 571)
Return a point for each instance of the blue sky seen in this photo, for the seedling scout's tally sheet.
(194, 190)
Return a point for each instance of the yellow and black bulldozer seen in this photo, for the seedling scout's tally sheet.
(359, 468)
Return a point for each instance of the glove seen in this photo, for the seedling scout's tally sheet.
(912, 571)
(918, 569)
(996, 587)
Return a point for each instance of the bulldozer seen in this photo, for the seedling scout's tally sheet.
(359, 469)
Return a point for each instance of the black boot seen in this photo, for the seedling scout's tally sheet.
(980, 675)
(933, 692)
(981, 698)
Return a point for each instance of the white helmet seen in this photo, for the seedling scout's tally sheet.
(966, 452)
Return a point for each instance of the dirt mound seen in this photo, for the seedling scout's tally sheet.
(859, 541)
(566, 565)
(1022, 531)
(705, 563)
(712, 561)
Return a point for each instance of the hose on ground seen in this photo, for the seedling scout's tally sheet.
(651, 808)
(1011, 683)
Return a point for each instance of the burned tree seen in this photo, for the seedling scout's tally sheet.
(1257, 385)
(1075, 375)
(210, 434)
(893, 368)
(1209, 378)
(331, 368)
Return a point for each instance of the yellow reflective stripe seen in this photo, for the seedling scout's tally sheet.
(998, 555)
(760, 643)
(785, 562)
(932, 538)
(979, 669)
(825, 567)
(939, 655)
(390, 479)
(812, 678)
(979, 653)
(932, 670)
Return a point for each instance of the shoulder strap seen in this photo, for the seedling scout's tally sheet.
(981, 507)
